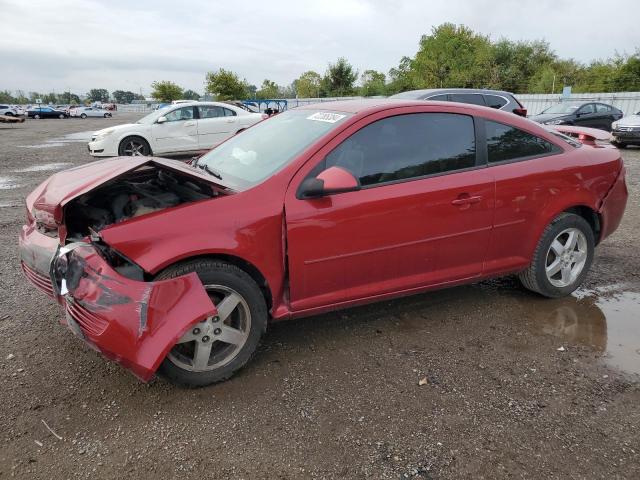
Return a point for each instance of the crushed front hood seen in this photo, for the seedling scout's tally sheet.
(55, 192)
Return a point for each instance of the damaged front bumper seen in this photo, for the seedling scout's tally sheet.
(132, 322)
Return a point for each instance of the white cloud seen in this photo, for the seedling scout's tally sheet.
(83, 44)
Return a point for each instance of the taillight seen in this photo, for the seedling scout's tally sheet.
(520, 111)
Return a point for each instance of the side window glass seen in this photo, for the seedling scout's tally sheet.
(505, 142)
(229, 113)
(407, 146)
(209, 111)
(602, 108)
(180, 114)
(586, 109)
(472, 98)
(495, 101)
(439, 98)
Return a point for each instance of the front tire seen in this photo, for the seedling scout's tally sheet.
(134, 147)
(107, 115)
(562, 257)
(37, 117)
(213, 350)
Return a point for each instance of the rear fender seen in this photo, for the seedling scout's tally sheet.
(131, 322)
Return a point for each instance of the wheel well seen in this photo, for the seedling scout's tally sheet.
(247, 267)
(592, 218)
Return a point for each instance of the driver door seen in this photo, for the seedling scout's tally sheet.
(422, 216)
(586, 116)
(178, 134)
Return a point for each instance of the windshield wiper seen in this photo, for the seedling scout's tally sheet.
(210, 170)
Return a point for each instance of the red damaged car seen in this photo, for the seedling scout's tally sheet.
(177, 269)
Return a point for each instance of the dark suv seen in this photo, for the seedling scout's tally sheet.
(488, 98)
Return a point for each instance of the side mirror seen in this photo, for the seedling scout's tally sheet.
(161, 119)
(331, 181)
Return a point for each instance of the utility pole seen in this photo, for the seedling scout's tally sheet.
(553, 86)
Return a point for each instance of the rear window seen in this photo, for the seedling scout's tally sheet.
(505, 143)
(472, 98)
(438, 98)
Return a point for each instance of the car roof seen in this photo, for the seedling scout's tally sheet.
(427, 91)
(364, 104)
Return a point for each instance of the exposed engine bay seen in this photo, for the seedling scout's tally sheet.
(139, 192)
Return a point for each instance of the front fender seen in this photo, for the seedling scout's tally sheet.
(131, 322)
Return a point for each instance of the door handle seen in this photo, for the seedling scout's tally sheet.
(230, 121)
(465, 199)
(189, 124)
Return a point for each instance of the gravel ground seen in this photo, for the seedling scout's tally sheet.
(513, 386)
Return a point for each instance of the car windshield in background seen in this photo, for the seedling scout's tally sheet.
(563, 108)
(247, 159)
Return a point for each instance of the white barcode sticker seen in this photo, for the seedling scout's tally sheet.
(326, 117)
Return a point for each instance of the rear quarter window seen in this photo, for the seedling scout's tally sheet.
(494, 101)
(507, 143)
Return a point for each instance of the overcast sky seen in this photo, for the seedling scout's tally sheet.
(126, 44)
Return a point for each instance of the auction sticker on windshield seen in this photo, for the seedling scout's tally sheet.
(326, 117)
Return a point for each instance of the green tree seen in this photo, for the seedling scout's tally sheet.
(339, 79)
(98, 95)
(308, 85)
(627, 78)
(6, 97)
(373, 83)
(166, 91)
(515, 63)
(190, 95)
(269, 89)
(226, 85)
(401, 78)
(124, 96)
(452, 56)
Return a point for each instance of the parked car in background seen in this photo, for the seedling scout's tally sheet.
(84, 112)
(8, 110)
(580, 113)
(626, 131)
(178, 268)
(488, 98)
(175, 129)
(46, 112)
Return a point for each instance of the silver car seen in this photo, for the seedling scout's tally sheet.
(626, 131)
(84, 112)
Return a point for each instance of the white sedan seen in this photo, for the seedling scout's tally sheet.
(175, 129)
(84, 112)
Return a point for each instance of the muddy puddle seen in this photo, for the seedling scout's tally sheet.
(608, 321)
(78, 137)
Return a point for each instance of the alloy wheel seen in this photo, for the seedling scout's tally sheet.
(566, 257)
(134, 148)
(217, 340)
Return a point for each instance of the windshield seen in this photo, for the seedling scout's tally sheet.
(153, 116)
(247, 159)
(566, 108)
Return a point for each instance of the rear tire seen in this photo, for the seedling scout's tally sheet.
(562, 257)
(619, 145)
(37, 117)
(107, 115)
(83, 116)
(61, 116)
(247, 319)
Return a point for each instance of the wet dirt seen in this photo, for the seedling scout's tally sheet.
(515, 386)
